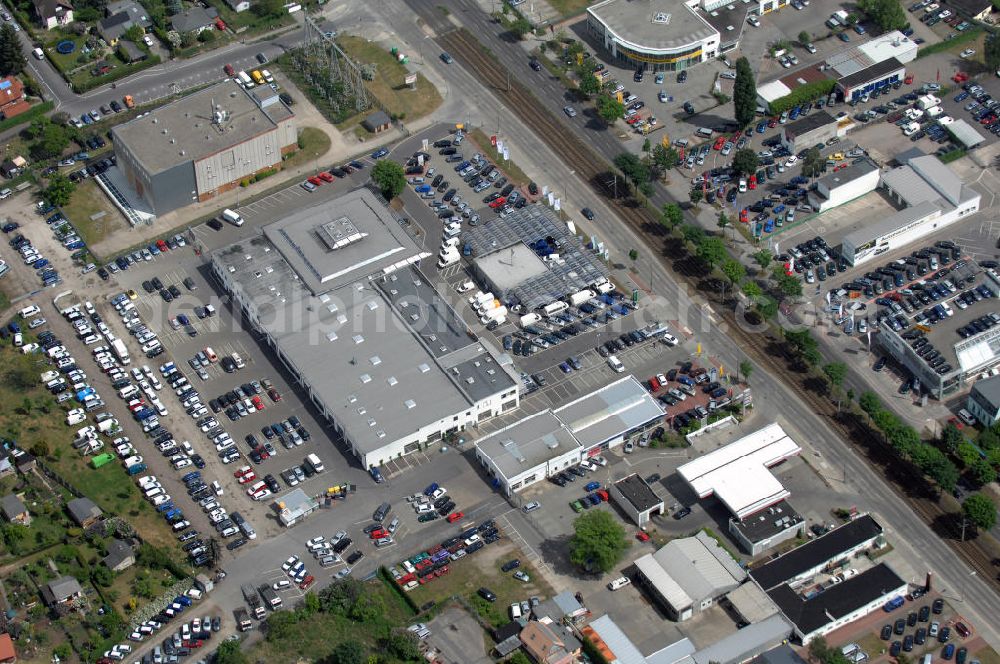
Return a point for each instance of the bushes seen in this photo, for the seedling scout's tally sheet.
(386, 576)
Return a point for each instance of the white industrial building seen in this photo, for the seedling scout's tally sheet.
(688, 575)
(931, 196)
(335, 291)
(843, 186)
(737, 474)
(546, 443)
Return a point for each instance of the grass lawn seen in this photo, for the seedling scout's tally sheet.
(483, 570)
(388, 84)
(570, 7)
(313, 638)
(509, 168)
(66, 62)
(88, 199)
(315, 143)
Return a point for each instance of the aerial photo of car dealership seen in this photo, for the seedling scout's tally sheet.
(558, 332)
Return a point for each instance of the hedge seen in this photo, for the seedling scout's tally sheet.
(969, 35)
(386, 575)
(27, 116)
(115, 74)
(802, 94)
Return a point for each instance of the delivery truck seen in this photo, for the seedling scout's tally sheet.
(120, 351)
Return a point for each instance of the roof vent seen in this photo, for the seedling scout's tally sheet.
(351, 398)
(380, 433)
(372, 305)
(358, 338)
(371, 422)
(362, 410)
(470, 380)
(424, 368)
(663, 18)
(331, 336)
(375, 360)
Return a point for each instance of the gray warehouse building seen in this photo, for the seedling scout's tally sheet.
(817, 127)
(202, 145)
(336, 292)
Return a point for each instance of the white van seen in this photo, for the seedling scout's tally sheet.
(38, 54)
(616, 364)
(30, 311)
(232, 217)
(515, 610)
(704, 132)
(619, 583)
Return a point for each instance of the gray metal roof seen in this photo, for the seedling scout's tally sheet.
(849, 174)
(617, 642)
(63, 587)
(82, 509)
(675, 652)
(752, 603)
(528, 443)
(699, 567)
(938, 175)
(11, 506)
(887, 225)
(184, 131)
(655, 25)
(747, 642)
(965, 133)
(609, 412)
(576, 269)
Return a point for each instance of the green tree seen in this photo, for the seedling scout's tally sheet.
(60, 189)
(633, 168)
(836, 372)
(206, 36)
(134, 34)
(62, 651)
(520, 27)
(12, 60)
(980, 511)
(598, 541)
(767, 307)
(347, 652)
(588, 85)
(819, 650)
(519, 658)
(609, 109)
(722, 221)
(804, 38)
(992, 51)
(711, 250)
(692, 234)
(664, 158)
(763, 258)
(746, 369)
(229, 653)
(982, 472)
(752, 290)
(389, 177)
(887, 14)
(951, 438)
(280, 625)
(733, 270)
(789, 285)
(745, 161)
(696, 195)
(671, 215)
(403, 645)
(812, 163)
(744, 93)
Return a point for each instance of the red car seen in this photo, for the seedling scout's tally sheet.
(909, 79)
(257, 403)
(316, 181)
(379, 533)
(772, 123)
(455, 516)
(229, 70)
(274, 394)
(162, 246)
(498, 202)
(641, 536)
(194, 643)
(752, 182)
(719, 142)
(326, 177)
(306, 582)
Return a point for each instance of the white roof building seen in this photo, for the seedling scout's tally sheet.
(738, 474)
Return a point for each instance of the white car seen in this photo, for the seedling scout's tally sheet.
(967, 53)
(669, 339)
(290, 563)
(316, 542)
(440, 491)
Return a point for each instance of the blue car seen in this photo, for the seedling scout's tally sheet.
(761, 127)
(564, 366)
(769, 226)
(76, 245)
(779, 209)
(40, 263)
(592, 486)
(357, 164)
(86, 119)
(153, 249)
(961, 96)
(378, 154)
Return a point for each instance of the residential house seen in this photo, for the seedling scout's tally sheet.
(12, 100)
(195, 19)
(547, 643)
(53, 13)
(6, 466)
(84, 512)
(24, 462)
(119, 17)
(61, 591)
(11, 168)
(14, 510)
(984, 400)
(238, 5)
(120, 556)
(7, 653)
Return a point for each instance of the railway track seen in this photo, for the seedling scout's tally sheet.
(595, 170)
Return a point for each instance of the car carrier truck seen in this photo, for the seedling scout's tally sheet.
(253, 599)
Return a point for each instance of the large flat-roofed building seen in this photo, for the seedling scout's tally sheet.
(931, 196)
(737, 474)
(194, 148)
(688, 575)
(843, 186)
(530, 259)
(817, 127)
(660, 34)
(546, 443)
(335, 291)
(528, 451)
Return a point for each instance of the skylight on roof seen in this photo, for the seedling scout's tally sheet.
(365, 378)
(424, 368)
(392, 381)
(375, 360)
(410, 404)
(358, 339)
(331, 336)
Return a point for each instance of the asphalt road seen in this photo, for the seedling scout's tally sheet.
(920, 544)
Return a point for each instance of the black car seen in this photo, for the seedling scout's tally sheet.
(509, 565)
(920, 636)
(683, 76)
(681, 513)
(925, 613)
(900, 626)
(535, 64)
(487, 594)
(911, 618)
(886, 632)
(342, 545)
(938, 607)
(588, 213)
(236, 543)
(355, 557)
(653, 479)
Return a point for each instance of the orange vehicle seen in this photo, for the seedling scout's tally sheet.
(129, 102)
